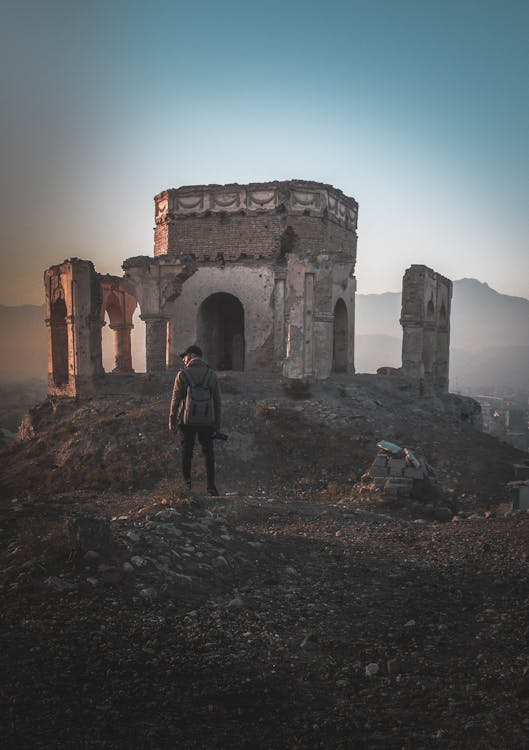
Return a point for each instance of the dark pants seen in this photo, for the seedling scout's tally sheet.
(205, 438)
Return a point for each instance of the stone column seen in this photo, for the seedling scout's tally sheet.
(279, 318)
(443, 359)
(122, 348)
(155, 342)
(322, 335)
(412, 346)
(308, 326)
(351, 327)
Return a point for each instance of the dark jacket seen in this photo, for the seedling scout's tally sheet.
(198, 370)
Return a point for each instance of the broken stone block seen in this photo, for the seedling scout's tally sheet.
(398, 486)
(413, 473)
(520, 495)
(378, 471)
(397, 466)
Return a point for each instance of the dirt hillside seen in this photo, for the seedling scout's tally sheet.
(300, 609)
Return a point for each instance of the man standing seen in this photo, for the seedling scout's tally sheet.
(196, 373)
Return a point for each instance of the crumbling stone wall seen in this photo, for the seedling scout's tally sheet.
(73, 305)
(256, 274)
(283, 253)
(425, 320)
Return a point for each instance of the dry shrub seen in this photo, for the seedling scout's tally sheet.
(264, 410)
(336, 491)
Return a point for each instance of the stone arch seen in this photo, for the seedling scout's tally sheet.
(114, 309)
(59, 342)
(220, 331)
(430, 310)
(340, 337)
(118, 305)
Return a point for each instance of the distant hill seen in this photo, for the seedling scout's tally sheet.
(483, 318)
(23, 343)
(376, 350)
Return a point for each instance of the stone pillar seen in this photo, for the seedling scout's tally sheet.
(425, 320)
(122, 348)
(279, 318)
(308, 326)
(351, 327)
(412, 343)
(155, 342)
(443, 360)
(322, 337)
(429, 357)
(73, 305)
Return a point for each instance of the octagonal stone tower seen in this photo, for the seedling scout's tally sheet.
(274, 279)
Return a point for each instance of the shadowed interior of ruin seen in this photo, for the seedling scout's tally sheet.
(339, 358)
(220, 328)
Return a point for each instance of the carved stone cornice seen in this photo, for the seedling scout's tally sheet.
(293, 197)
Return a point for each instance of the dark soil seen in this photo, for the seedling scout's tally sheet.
(298, 610)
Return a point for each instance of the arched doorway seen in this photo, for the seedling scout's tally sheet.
(220, 331)
(340, 337)
(59, 342)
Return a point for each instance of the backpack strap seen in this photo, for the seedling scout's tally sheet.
(208, 377)
(205, 381)
(188, 377)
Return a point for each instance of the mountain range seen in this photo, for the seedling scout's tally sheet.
(489, 345)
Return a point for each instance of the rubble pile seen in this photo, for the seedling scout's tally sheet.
(399, 472)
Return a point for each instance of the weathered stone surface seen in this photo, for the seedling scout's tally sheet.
(425, 320)
(256, 274)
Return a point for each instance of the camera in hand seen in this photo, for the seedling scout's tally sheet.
(220, 436)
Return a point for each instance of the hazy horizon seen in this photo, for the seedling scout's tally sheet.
(420, 111)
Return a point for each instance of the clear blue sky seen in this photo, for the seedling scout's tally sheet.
(418, 109)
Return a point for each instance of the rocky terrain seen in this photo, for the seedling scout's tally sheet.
(301, 609)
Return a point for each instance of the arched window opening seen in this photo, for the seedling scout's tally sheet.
(59, 342)
(107, 345)
(340, 337)
(442, 313)
(114, 310)
(138, 343)
(430, 310)
(220, 331)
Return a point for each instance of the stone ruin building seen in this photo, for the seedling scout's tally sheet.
(259, 275)
(425, 320)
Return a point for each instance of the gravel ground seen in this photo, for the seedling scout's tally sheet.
(324, 626)
(297, 610)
